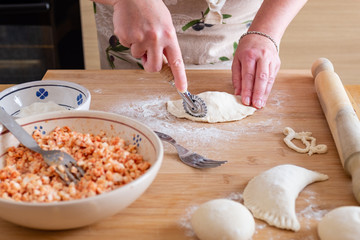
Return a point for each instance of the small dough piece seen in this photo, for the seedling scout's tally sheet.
(221, 107)
(39, 107)
(306, 139)
(341, 223)
(223, 219)
(271, 195)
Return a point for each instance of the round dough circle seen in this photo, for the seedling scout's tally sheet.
(221, 107)
(223, 219)
(341, 223)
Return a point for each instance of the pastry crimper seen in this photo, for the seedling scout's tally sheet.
(193, 105)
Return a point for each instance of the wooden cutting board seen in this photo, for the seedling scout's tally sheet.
(250, 146)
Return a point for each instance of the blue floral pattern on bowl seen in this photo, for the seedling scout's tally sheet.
(42, 93)
(79, 99)
(136, 140)
(40, 128)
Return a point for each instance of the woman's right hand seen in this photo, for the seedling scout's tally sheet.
(146, 28)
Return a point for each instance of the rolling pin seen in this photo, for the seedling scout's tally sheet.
(341, 117)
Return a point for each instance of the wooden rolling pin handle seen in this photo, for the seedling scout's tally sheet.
(341, 117)
(353, 166)
(321, 64)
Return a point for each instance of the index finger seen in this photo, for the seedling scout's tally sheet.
(177, 66)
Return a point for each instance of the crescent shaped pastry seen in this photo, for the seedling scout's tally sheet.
(271, 195)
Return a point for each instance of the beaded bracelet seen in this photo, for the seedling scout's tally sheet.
(261, 34)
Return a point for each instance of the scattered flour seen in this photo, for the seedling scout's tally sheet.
(152, 112)
(307, 216)
(98, 90)
(312, 212)
(184, 221)
(236, 196)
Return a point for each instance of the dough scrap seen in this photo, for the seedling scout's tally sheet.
(341, 223)
(39, 107)
(221, 107)
(271, 195)
(306, 138)
(223, 219)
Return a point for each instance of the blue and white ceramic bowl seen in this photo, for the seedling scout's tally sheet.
(66, 94)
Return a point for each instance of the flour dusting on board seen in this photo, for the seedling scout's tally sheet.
(98, 90)
(236, 196)
(184, 221)
(152, 112)
(312, 211)
(307, 216)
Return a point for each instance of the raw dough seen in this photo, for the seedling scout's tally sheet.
(39, 107)
(221, 107)
(223, 219)
(341, 223)
(271, 195)
(306, 139)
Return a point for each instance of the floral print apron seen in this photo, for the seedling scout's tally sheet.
(208, 32)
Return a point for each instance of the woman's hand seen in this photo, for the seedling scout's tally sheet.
(255, 66)
(146, 28)
(256, 61)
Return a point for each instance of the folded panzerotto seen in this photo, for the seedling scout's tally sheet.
(271, 195)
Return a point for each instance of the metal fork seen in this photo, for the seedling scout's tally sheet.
(190, 158)
(64, 163)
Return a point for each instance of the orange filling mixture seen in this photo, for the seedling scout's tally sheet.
(107, 161)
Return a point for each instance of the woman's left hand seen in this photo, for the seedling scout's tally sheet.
(255, 66)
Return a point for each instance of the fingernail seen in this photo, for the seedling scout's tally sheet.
(182, 89)
(258, 103)
(247, 101)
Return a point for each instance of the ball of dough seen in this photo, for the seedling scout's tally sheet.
(341, 223)
(223, 219)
